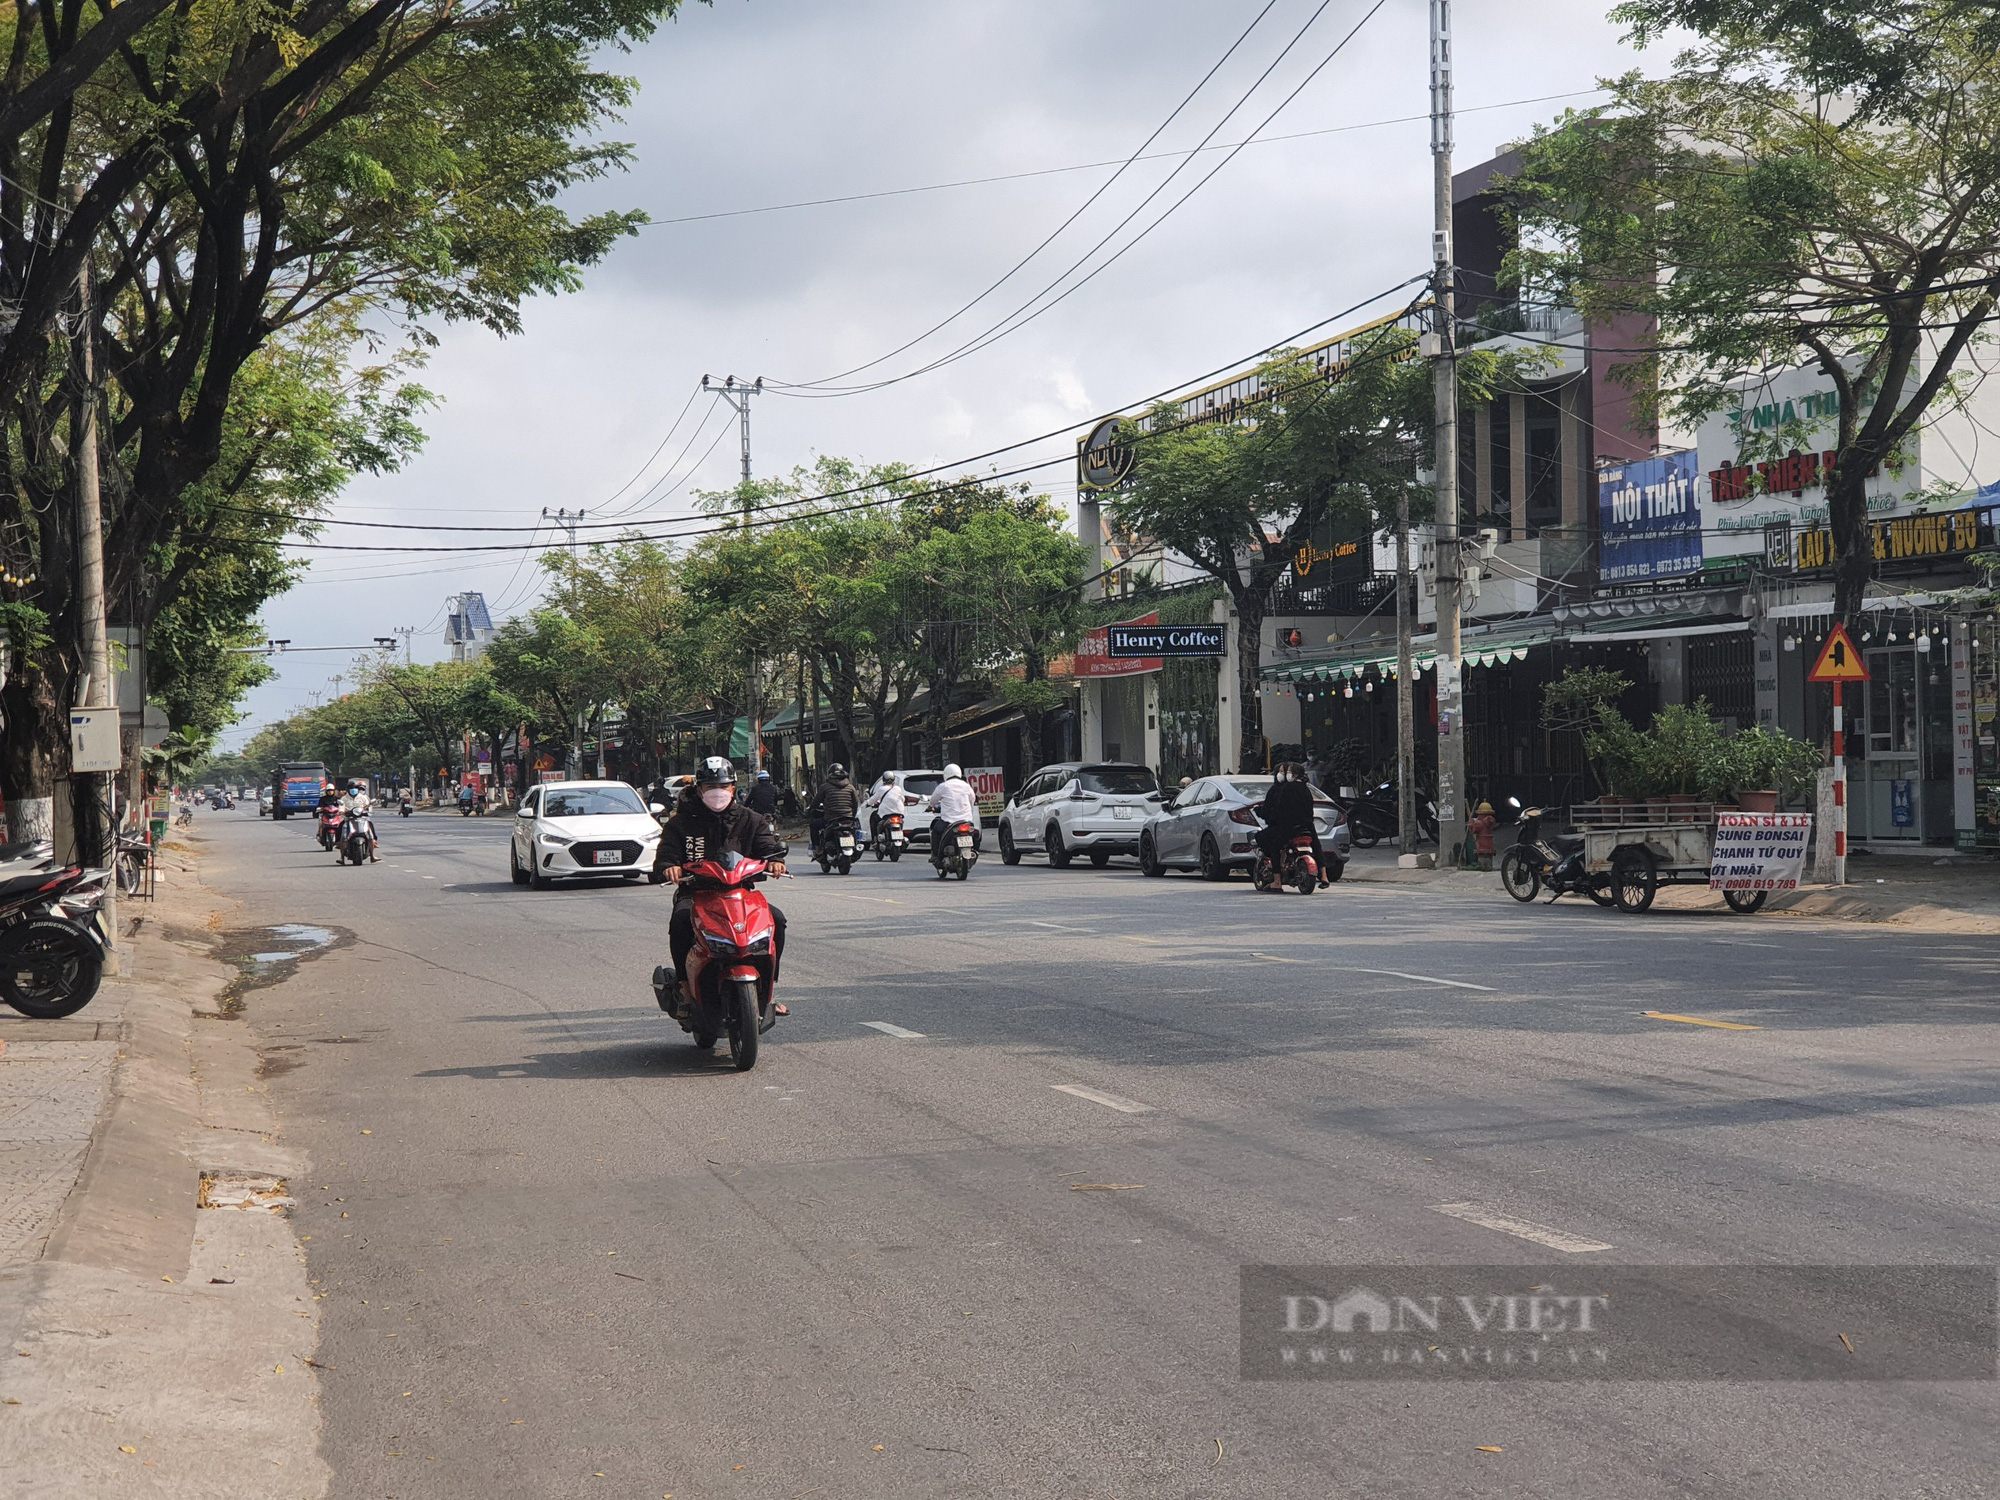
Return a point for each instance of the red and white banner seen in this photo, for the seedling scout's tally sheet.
(1094, 659)
(989, 785)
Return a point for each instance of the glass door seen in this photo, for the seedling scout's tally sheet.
(1889, 791)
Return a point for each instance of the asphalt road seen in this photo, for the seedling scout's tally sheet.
(563, 1253)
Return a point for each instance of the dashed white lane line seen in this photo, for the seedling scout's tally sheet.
(889, 1029)
(1457, 984)
(1539, 1234)
(1058, 927)
(1109, 1101)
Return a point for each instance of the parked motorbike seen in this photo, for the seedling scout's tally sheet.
(732, 968)
(955, 850)
(357, 839)
(1374, 816)
(52, 941)
(1300, 869)
(890, 839)
(1554, 861)
(838, 843)
(329, 829)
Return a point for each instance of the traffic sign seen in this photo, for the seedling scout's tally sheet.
(1839, 660)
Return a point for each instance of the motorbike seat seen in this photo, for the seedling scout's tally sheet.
(24, 885)
(1566, 843)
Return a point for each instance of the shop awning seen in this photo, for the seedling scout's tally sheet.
(1484, 648)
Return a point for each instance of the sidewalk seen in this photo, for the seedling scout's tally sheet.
(1927, 891)
(156, 1334)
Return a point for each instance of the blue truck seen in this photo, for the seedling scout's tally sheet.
(295, 787)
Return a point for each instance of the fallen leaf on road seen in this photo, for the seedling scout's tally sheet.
(1850, 1347)
(1104, 1187)
(628, 1275)
(220, 1281)
(122, 1448)
(168, 1280)
(1484, 1449)
(367, 1132)
(739, 1468)
(876, 1449)
(517, 1422)
(279, 1370)
(317, 1365)
(1218, 1455)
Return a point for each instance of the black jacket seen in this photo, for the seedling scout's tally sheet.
(1287, 809)
(763, 798)
(838, 799)
(693, 832)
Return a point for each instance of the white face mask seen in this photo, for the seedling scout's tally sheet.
(717, 798)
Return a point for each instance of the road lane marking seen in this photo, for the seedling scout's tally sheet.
(888, 1029)
(1660, 1015)
(1277, 960)
(1457, 984)
(1540, 1234)
(1150, 942)
(1109, 1101)
(1058, 927)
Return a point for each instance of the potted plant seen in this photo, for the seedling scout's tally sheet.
(1768, 765)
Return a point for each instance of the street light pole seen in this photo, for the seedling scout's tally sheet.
(1444, 367)
(737, 394)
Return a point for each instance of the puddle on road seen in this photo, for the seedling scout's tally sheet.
(258, 962)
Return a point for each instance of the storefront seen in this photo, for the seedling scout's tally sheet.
(1975, 671)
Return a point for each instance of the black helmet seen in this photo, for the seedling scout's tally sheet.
(715, 771)
(837, 771)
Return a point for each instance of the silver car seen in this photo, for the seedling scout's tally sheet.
(1211, 826)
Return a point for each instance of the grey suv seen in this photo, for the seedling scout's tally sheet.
(1090, 808)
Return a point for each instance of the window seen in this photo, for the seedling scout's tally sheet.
(1118, 781)
(1211, 791)
(921, 786)
(592, 802)
(1543, 439)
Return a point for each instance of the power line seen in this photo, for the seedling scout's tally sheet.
(1051, 237)
(1015, 320)
(1056, 432)
(1091, 166)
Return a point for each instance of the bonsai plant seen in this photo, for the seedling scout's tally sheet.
(1769, 766)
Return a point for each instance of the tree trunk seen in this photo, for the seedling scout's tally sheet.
(1249, 698)
(34, 747)
(1853, 547)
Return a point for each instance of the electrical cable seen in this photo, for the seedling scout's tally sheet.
(1022, 316)
(1050, 239)
(1055, 432)
(1091, 166)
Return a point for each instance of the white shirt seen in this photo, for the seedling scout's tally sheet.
(893, 801)
(955, 801)
(354, 802)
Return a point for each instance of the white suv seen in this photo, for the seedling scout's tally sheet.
(917, 786)
(1094, 808)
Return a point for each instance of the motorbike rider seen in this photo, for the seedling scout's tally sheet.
(1287, 811)
(708, 821)
(357, 804)
(895, 802)
(954, 802)
(763, 798)
(837, 802)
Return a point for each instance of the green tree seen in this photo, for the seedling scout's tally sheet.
(1807, 186)
(1237, 497)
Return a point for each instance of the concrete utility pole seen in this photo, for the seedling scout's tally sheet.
(1444, 365)
(1406, 689)
(737, 394)
(409, 652)
(100, 830)
(569, 520)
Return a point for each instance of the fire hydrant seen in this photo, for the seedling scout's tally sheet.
(1481, 828)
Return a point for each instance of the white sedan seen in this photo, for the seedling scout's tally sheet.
(569, 829)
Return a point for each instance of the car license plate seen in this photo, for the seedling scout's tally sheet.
(609, 857)
(1122, 812)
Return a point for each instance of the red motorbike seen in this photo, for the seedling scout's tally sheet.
(1300, 869)
(733, 964)
(329, 829)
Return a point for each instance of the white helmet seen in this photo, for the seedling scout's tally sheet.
(952, 772)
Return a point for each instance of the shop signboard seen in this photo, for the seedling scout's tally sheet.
(1164, 640)
(1094, 657)
(989, 786)
(1649, 518)
(1759, 851)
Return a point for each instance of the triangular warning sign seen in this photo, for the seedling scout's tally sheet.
(1839, 660)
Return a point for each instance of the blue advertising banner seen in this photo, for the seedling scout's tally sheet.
(1648, 518)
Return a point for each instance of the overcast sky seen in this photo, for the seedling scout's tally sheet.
(750, 103)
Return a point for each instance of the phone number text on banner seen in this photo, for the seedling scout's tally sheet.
(1759, 851)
